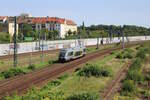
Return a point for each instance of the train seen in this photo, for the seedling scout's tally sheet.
(69, 54)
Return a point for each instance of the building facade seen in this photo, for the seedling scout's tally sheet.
(38, 23)
(7, 25)
(53, 23)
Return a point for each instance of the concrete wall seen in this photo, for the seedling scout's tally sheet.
(6, 49)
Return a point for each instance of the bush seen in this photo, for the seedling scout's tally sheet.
(128, 87)
(135, 75)
(50, 62)
(113, 52)
(127, 53)
(141, 54)
(12, 72)
(145, 93)
(105, 72)
(90, 70)
(94, 70)
(147, 77)
(136, 65)
(83, 96)
(4, 37)
(63, 77)
(31, 67)
(55, 83)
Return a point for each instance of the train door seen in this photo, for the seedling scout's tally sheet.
(70, 55)
(78, 54)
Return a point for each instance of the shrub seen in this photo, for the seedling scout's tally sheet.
(127, 53)
(50, 62)
(4, 37)
(90, 70)
(63, 77)
(1, 62)
(31, 67)
(128, 87)
(105, 72)
(83, 96)
(147, 77)
(113, 52)
(55, 83)
(12, 72)
(145, 93)
(141, 54)
(77, 69)
(136, 65)
(135, 75)
(94, 70)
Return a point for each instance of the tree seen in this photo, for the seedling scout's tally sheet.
(4, 37)
(27, 30)
(69, 32)
(20, 37)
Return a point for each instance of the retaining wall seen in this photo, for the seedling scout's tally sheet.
(6, 49)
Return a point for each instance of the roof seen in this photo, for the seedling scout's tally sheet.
(41, 20)
(70, 22)
(3, 17)
(52, 19)
(73, 48)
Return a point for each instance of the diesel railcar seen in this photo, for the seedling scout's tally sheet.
(71, 53)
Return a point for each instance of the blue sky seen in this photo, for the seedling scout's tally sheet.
(117, 12)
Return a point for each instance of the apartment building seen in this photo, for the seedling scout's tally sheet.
(38, 23)
(7, 25)
(54, 23)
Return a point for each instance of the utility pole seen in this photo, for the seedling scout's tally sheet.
(97, 47)
(122, 32)
(39, 42)
(15, 41)
(42, 47)
(98, 38)
(110, 33)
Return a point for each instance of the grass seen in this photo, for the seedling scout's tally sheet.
(49, 59)
(24, 62)
(25, 69)
(36, 59)
(92, 84)
(70, 84)
(138, 76)
(101, 47)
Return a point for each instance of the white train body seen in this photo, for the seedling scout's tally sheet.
(71, 53)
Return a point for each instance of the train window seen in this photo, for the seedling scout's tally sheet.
(78, 53)
(62, 54)
(70, 54)
(84, 50)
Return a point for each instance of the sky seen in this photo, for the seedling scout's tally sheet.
(92, 12)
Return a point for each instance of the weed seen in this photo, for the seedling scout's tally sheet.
(83, 96)
(128, 87)
(94, 70)
(31, 67)
(12, 72)
(63, 77)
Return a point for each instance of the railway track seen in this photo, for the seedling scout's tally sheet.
(27, 54)
(6, 57)
(23, 82)
(115, 85)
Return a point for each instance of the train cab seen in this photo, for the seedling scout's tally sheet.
(71, 53)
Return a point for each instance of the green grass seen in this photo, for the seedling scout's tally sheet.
(70, 84)
(49, 59)
(137, 75)
(25, 69)
(24, 62)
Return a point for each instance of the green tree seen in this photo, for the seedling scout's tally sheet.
(27, 30)
(4, 37)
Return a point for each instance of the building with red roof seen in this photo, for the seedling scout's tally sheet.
(38, 23)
